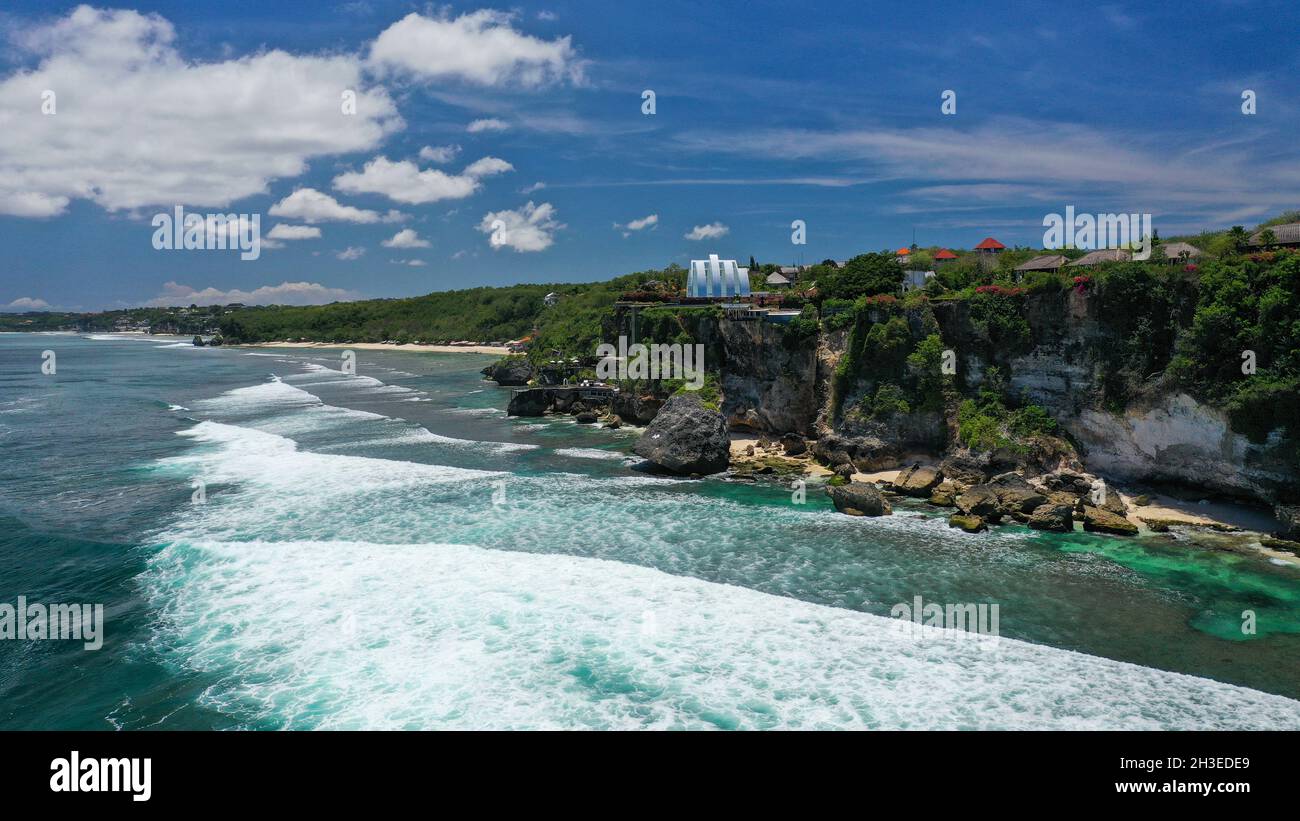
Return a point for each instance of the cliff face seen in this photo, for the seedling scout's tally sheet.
(774, 386)
(1163, 435)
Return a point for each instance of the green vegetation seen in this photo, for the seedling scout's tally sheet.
(864, 275)
(985, 423)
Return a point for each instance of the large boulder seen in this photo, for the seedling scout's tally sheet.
(917, 481)
(510, 371)
(967, 522)
(794, 444)
(1015, 495)
(686, 437)
(859, 499)
(530, 402)
(1103, 521)
(1052, 516)
(636, 408)
(1288, 518)
(981, 501)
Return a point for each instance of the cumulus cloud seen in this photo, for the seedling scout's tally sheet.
(439, 154)
(27, 303)
(651, 222)
(487, 124)
(405, 238)
(530, 228)
(310, 205)
(351, 252)
(711, 231)
(136, 123)
(286, 293)
(403, 181)
(481, 47)
(291, 232)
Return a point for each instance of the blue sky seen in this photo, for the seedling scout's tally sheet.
(765, 113)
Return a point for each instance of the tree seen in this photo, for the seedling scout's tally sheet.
(864, 275)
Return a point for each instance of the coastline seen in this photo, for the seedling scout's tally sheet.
(1232, 525)
(380, 346)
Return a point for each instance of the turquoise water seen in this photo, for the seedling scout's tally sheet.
(391, 551)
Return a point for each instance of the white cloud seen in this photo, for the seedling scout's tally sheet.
(291, 232)
(414, 263)
(350, 253)
(529, 189)
(286, 293)
(137, 124)
(27, 303)
(651, 222)
(310, 205)
(530, 228)
(439, 154)
(403, 180)
(481, 47)
(711, 231)
(405, 238)
(487, 124)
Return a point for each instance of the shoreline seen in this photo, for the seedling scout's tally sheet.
(1210, 517)
(380, 346)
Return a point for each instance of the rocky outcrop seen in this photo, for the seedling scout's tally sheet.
(859, 499)
(967, 522)
(636, 408)
(531, 402)
(917, 481)
(981, 501)
(1015, 495)
(768, 383)
(1052, 516)
(1097, 520)
(686, 437)
(511, 371)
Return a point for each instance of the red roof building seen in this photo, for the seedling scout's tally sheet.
(990, 246)
(944, 253)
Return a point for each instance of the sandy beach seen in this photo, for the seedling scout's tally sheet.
(379, 346)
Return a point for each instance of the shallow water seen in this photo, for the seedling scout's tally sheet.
(390, 550)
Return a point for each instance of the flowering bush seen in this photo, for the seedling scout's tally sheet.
(999, 290)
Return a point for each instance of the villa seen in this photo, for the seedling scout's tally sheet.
(1047, 262)
(943, 256)
(1284, 236)
(1098, 257)
(715, 278)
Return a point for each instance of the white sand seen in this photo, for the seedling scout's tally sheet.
(379, 346)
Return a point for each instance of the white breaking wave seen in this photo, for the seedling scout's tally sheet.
(592, 453)
(359, 635)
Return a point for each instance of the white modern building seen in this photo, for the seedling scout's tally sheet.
(720, 278)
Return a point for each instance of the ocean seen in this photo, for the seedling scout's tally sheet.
(280, 545)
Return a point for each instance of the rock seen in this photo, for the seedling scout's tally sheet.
(968, 523)
(859, 499)
(1015, 495)
(749, 450)
(1068, 482)
(845, 470)
(764, 443)
(1063, 497)
(979, 501)
(686, 437)
(1288, 517)
(530, 402)
(510, 371)
(1142, 501)
(613, 422)
(1051, 516)
(636, 409)
(917, 480)
(1113, 503)
(794, 444)
(1097, 520)
(586, 417)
